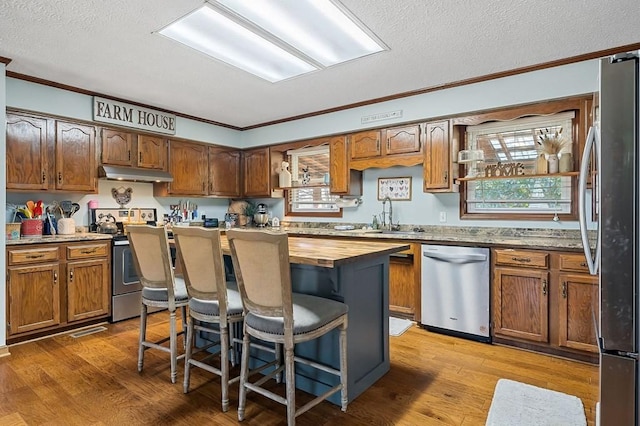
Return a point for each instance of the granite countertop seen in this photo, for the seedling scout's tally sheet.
(79, 236)
(478, 236)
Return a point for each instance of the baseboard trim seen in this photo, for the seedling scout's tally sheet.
(4, 351)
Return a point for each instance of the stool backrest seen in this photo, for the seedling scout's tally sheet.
(200, 255)
(261, 264)
(152, 258)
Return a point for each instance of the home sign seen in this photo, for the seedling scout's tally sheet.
(122, 114)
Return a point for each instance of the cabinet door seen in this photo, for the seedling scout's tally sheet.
(402, 284)
(189, 165)
(224, 172)
(338, 165)
(520, 306)
(402, 140)
(75, 157)
(257, 173)
(152, 152)
(34, 297)
(27, 166)
(117, 147)
(87, 289)
(437, 157)
(365, 144)
(578, 306)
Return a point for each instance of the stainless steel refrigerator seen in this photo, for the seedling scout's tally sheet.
(616, 143)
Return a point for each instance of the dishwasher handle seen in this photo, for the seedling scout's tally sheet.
(456, 258)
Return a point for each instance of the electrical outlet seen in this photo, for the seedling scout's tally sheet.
(443, 216)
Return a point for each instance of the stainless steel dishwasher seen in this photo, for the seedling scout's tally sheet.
(455, 291)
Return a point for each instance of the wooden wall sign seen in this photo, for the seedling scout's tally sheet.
(119, 113)
(504, 169)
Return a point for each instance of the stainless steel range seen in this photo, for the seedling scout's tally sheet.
(126, 287)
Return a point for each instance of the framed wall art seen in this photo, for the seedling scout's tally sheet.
(397, 189)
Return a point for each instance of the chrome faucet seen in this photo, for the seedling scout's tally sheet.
(384, 213)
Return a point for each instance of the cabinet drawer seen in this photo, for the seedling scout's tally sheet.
(26, 256)
(87, 250)
(573, 262)
(532, 259)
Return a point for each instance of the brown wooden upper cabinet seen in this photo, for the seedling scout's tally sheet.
(257, 172)
(123, 148)
(48, 154)
(395, 146)
(343, 180)
(439, 173)
(224, 172)
(76, 163)
(402, 140)
(365, 144)
(27, 157)
(189, 166)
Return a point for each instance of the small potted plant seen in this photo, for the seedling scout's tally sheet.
(550, 144)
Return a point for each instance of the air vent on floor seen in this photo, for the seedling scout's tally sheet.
(87, 331)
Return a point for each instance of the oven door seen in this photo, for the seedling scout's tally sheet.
(125, 278)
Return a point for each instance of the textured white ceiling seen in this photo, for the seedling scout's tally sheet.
(109, 47)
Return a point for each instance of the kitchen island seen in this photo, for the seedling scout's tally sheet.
(355, 273)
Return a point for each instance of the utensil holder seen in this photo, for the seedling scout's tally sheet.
(66, 226)
(31, 228)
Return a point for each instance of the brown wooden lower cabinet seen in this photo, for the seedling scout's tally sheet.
(404, 283)
(56, 286)
(545, 301)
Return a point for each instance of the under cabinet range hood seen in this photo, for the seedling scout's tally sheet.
(133, 174)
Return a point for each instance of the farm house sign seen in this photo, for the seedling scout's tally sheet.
(119, 113)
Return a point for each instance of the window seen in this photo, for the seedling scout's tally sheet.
(516, 141)
(309, 166)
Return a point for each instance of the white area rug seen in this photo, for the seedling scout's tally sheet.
(397, 326)
(519, 404)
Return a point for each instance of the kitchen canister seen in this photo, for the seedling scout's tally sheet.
(31, 228)
(66, 226)
(13, 231)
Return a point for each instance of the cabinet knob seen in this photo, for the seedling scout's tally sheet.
(446, 176)
(55, 278)
(44, 177)
(71, 275)
(60, 177)
(140, 157)
(388, 144)
(564, 289)
(544, 287)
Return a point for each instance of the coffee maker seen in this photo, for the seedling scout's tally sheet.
(261, 217)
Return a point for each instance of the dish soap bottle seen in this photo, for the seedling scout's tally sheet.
(374, 222)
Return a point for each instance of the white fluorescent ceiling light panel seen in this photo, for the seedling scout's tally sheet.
(275, 39)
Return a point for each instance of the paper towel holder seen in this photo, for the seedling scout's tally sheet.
(348, 202)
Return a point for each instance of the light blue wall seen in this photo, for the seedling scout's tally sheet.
(37, 97)
(558, 82)
(423, 209)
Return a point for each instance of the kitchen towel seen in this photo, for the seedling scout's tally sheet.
(520, 404)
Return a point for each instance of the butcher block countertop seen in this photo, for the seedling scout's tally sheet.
(330, 253)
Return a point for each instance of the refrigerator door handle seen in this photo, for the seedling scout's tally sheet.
(592, 143)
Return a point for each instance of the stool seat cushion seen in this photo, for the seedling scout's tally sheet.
(160, 294)
(211, 307)
(309, 313)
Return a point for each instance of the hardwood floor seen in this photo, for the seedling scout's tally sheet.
(434, 380)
